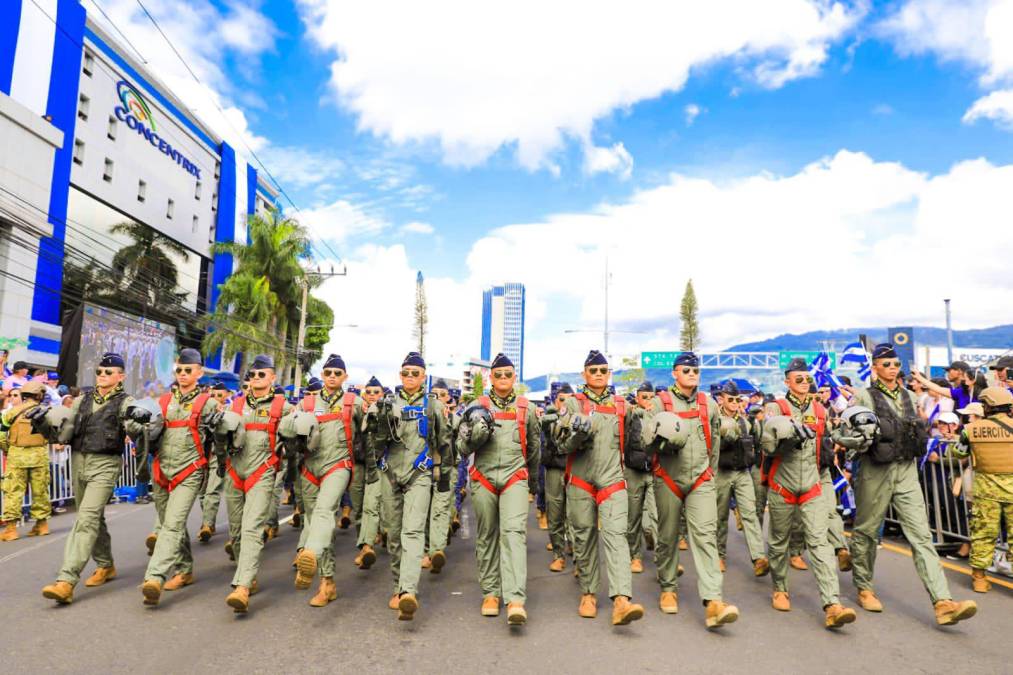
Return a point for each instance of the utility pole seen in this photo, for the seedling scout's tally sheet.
(301, 339)
(949, 334)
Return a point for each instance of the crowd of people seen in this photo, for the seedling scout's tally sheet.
(612, 476)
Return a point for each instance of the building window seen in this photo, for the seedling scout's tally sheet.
(196, 223)
(196, 191)
(169, 209)
(111, 130)
(107, 174)
(142, 191)
(82, 107)
(218, 170)
(89, 63)
(214, 202)
(78, 151)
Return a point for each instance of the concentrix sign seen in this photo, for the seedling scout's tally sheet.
(136, 114)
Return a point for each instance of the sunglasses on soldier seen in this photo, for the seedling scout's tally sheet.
(259, 374)
(333, 372)
(372, 392)
(105, 371)
(799, 379)
(600, 370)
(502, 374)
(183, 369)
(686, 370)
(410, 373)
(889, 364)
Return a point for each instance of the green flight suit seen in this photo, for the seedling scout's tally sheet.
(877, 487)
(555, 510)
(835, 525)
(211, 497)
(330, 467)
(698, 504)
(26, 462)
(501, 513)
(738, 482)
(597, 462)
(797, 473)
(249, 505)
(993, 490)
(796, 543)
(637, 488)
(410, 488)
(178, 452)
(95, 475)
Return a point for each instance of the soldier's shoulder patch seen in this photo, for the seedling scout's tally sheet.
(809, 419)
(188, 407)
(263, 412)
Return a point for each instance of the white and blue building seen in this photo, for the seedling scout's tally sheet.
(503, 324)
(91, 138)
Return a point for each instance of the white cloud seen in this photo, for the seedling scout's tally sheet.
(692, 111)
(417, 228)
(882, 109)
(473, 78)
(300, 167)
(615, 160)
(341, 220)
(996, 106)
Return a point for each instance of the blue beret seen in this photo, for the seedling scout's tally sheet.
(884, 350)
(595, 358)
(262, 362)
(373, 382)
(646, 386)
(564, 388)
(335, 361)
(686, 359)
(111, 360)
(314, 384)
(440, 384)
(730, 388)
(219, 386)
(715, 388)
(796, 364)
(278, 389)
(414, 359)
(502, 361)
(190, 357)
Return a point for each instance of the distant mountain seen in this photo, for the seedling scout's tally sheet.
(996, 337)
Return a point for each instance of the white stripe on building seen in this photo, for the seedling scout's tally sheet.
(33, 56)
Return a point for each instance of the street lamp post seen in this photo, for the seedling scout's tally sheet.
(949, 334)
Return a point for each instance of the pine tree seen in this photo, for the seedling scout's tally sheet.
(689, 337)
(421, 313)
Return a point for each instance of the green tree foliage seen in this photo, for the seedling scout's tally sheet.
(689, 336)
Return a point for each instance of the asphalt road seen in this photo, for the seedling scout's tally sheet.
(108, 630)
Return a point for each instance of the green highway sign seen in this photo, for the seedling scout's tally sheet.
(784, 357)
(657, 359)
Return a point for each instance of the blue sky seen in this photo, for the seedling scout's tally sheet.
(483, 145)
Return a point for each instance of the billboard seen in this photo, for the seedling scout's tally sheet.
(904, 344)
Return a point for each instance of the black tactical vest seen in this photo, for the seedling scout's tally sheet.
(900, 438)
(738, 454)
(100, 432)
(551, 457)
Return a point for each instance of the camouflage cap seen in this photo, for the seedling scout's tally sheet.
(994, 397)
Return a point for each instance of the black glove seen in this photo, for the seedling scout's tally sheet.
(140, 415)
(443, 483)
(143, 473)
(214, 419)
(37, 412)
(220, 468)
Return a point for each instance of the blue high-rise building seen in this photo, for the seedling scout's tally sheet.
(503, 323)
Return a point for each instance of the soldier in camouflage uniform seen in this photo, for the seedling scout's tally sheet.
(100, 427)
(26, 461)
(989, 442)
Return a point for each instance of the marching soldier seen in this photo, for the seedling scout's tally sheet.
(251, 468)
(211, 498)
(365, 487)
(733, 478)
(835, 525)
(503, 433)
(325, 475)
(887, 475)
(638, 473)
(438, 526)
(97, 430)
(683, 485)
(179, 471)
(795, 436)
(591, 432)
(26, 461)
(413, 430)
(989, 442)
(554, 462)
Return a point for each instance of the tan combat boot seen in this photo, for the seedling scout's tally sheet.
(10, 532)
(61, 591)
(780, 601)
(799, 563)
(407, 605)
(668, 603)
(455, 524)
(239, 599)
(149, 542)
(543, 521)
(306, 569)
(680, 571)
(720, 613)
(206, 531)
(949, 612)
(516, 614)
(100, 576)
(230, 551)
(438, 560)
(40, 529)
(327, 593)
(979, 582)
(366, 558)
(557, 565)
(868, 601)
(625, 612)
(588, 608)
(270, 533)
(683, 546)
(490, 606)
(722, 566)
(636, 566)
(178, 581)
(761, 567)
(392, 603)
(838, 615)
(426, 562)
(151, 589)
(844, 560)
(346, 517)
(254, 588)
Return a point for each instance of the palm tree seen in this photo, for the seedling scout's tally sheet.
(146, 266)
